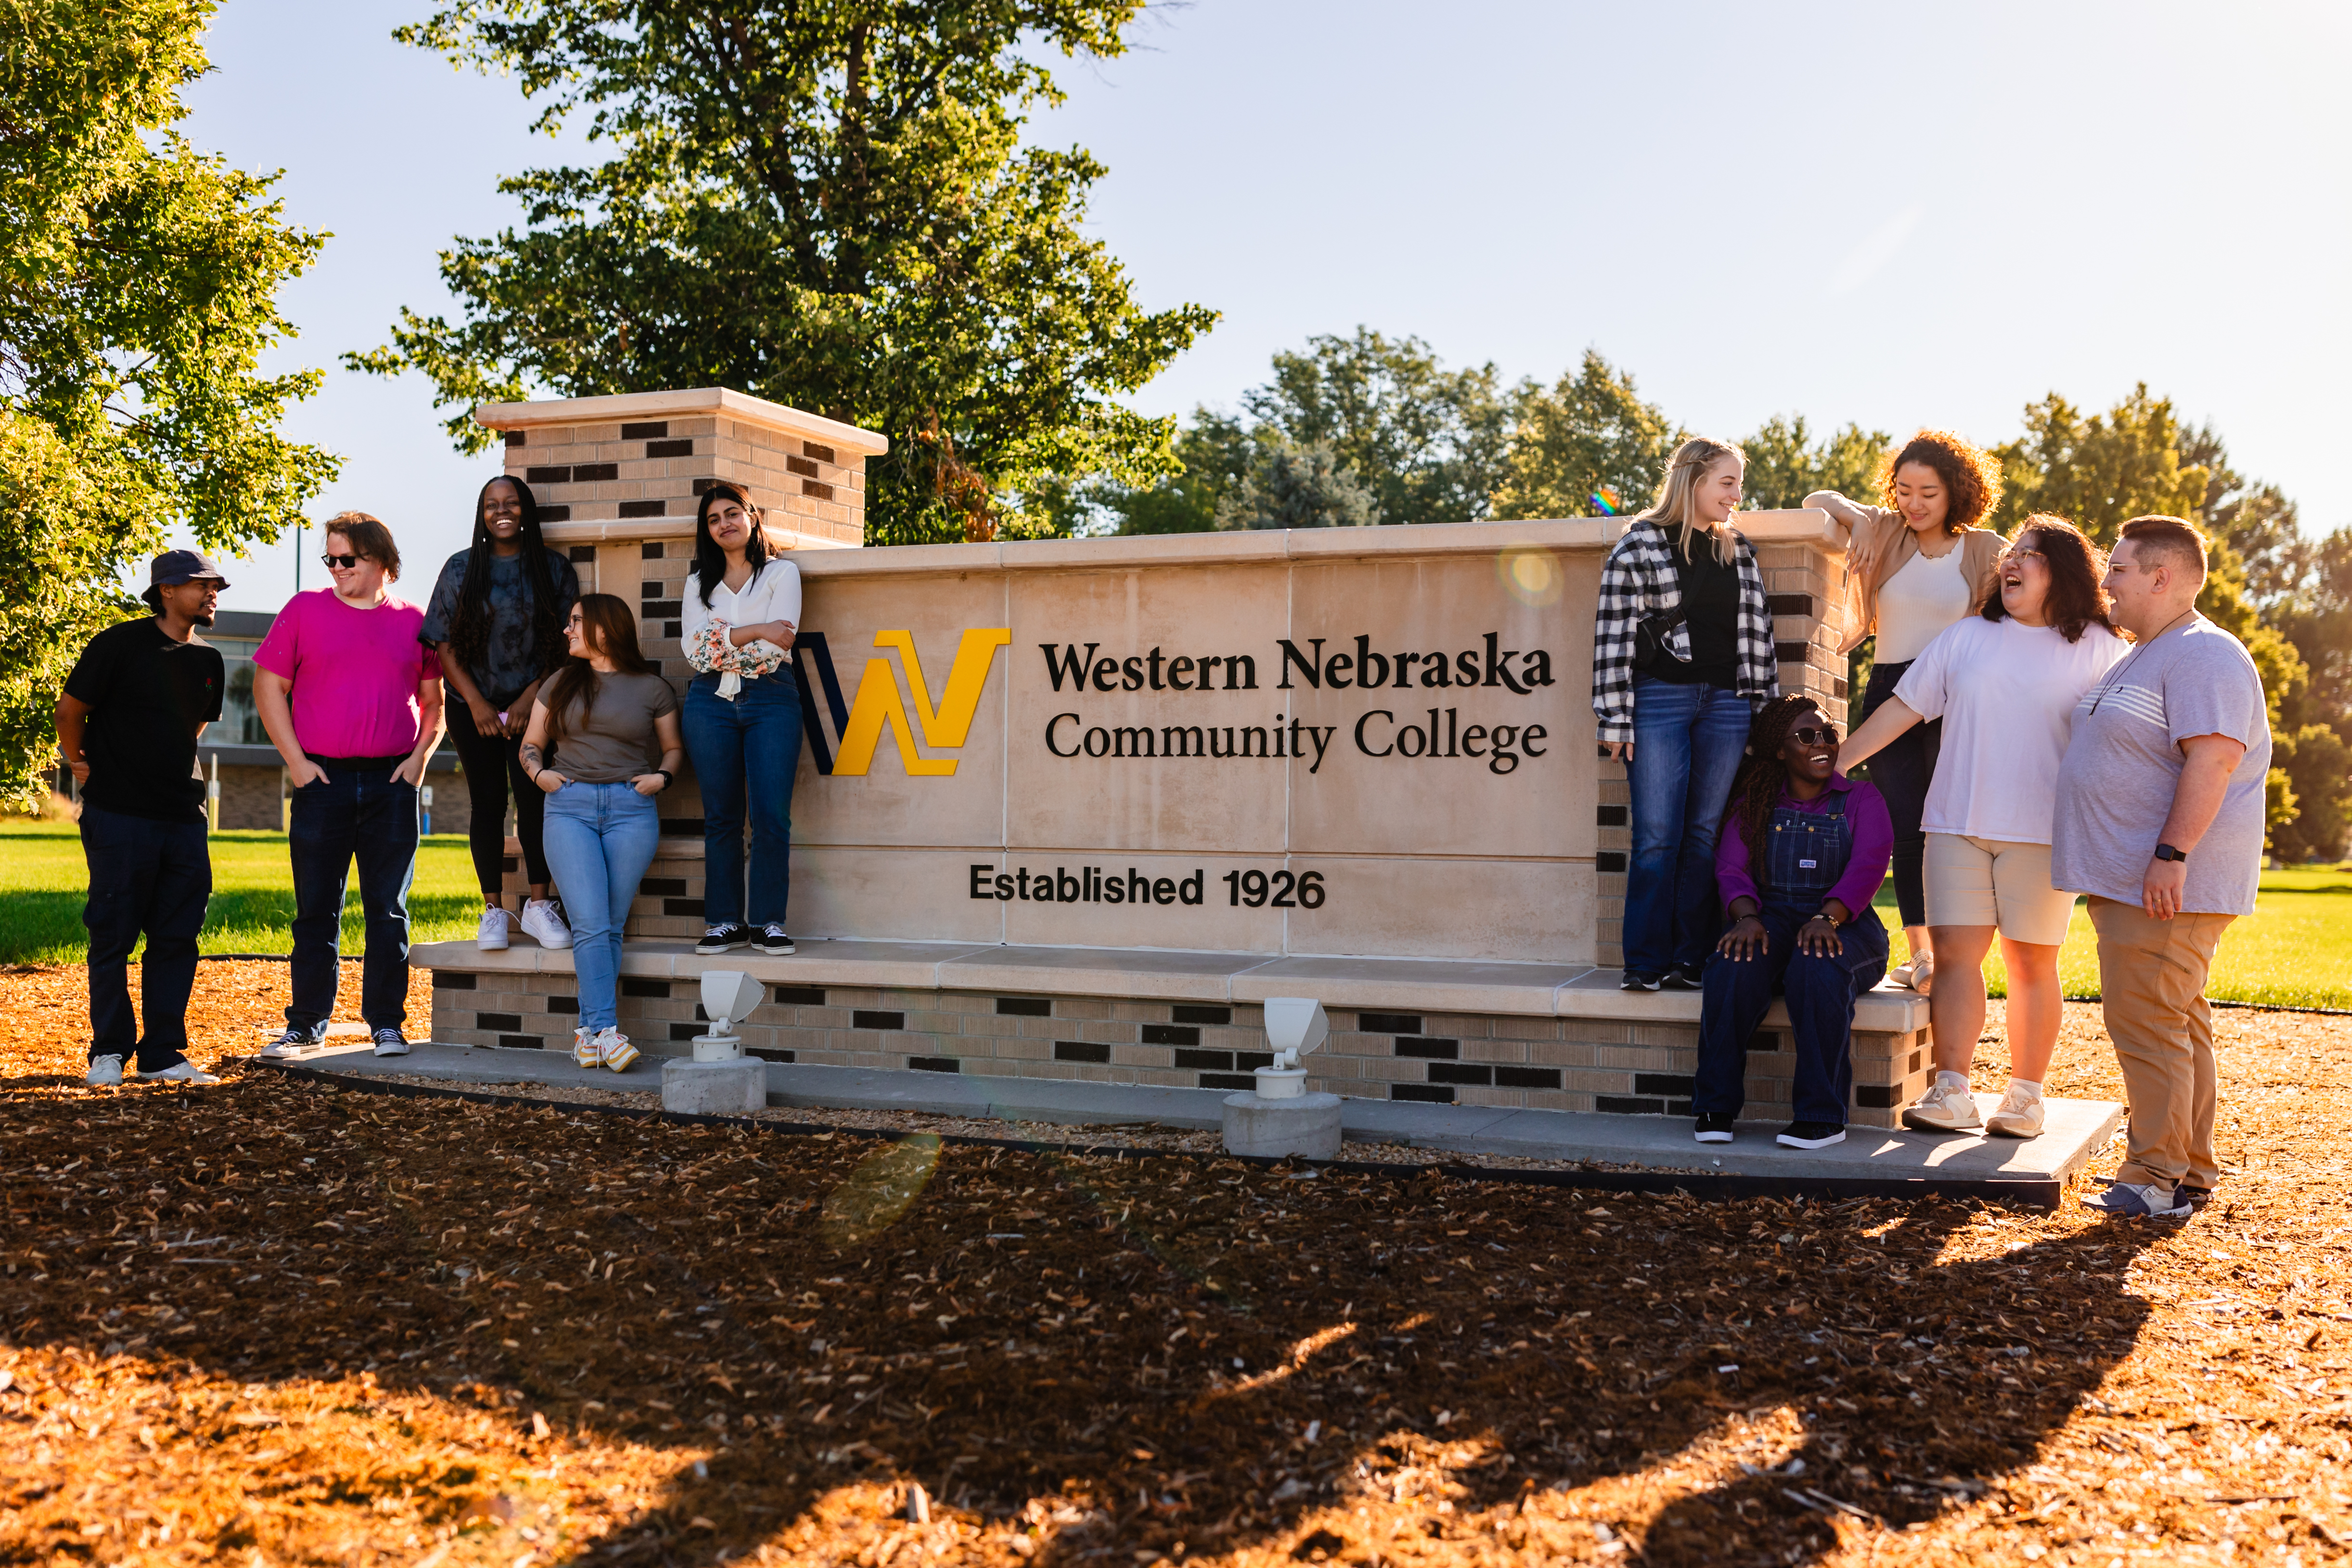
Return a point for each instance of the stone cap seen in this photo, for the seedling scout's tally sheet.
(1808, 526)
(681, 403)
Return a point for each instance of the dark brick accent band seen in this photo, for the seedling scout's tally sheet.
(684, 906)
(867, 1018)
(563, 1005)
(1093, 1051)
(670, 448)
(1429, 1092)
(651, 429)
(1388, 1023)
(645, 509)
(800, 466)
(1876, 1096)
(801, 995)
(1789, 604)
(495, 1021)
(1626, 1105)
(1608, 860)
(1227, 1080)
(1427, 1049)
(650, 551)
(645, 987)
(1673, 1085)
(578, 554)
(1189, 1012)
(822, 453)
(518, 438)
(1024, 1006)
(663, 887)
(1613, 816)
(588, 473)
(550, 476)
(1170, 1035)
(934, 1064)
(451, 980)
(1526, 1077)
(522, 1042)
(1222, 1061)
(816, 491)
(1461, 1072)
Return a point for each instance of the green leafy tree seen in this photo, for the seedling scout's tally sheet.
(1427, 441)
(1589, 433)
(826, 204)
(141, 280)
(1300, 486)
(2318, 767)
(1785, 465)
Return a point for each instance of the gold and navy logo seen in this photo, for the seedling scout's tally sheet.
(880, 704)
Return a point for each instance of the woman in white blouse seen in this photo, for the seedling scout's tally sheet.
(1916, 566)
(742, 719)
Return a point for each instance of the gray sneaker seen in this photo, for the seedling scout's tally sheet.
(390, 1042)
(105, 1072)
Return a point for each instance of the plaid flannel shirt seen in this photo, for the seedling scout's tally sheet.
(1638, 580)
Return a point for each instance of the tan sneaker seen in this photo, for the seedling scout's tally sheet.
(2018, 1114)
(1945, 1108)
(1923, 974)
(1900, 974)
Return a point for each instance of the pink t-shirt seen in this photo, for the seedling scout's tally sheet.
(354, 673)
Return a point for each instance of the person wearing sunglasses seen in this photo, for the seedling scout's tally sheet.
(1802, 856)
(2005, 682)
(351, 698)
(1918, 562)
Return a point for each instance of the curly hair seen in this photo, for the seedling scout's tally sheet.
(1757, 787)
(1971, 476)
(469, 628)
(2076, 601)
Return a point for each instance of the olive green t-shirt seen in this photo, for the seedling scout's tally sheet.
(610, 739)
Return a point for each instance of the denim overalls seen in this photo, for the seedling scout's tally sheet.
(1805, 853)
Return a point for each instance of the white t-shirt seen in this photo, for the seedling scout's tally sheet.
(2005, 693)
(773, 594)
(1920, 600)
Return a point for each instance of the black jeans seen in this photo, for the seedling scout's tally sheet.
(1903, 772)
(491, 763)
(155, 877)
(358, 812)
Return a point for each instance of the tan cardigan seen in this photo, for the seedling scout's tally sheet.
(1882, 545)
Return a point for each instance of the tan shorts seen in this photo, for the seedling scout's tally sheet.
(1988, 882)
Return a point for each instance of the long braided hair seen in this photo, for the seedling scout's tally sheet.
(1757, 787)
(469, 633)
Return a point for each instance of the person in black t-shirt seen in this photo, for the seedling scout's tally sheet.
(137, 697)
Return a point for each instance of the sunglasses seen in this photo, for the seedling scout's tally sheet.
(1808, 735)
(346, 562)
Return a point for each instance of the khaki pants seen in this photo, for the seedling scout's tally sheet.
(2152, 989)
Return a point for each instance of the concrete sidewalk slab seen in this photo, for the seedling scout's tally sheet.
(2075, 1130)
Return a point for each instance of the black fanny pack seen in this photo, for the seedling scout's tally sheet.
(1650, 635)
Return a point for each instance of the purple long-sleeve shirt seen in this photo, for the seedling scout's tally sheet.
(1866, 867)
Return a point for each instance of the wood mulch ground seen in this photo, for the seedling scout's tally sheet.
(272, 1322)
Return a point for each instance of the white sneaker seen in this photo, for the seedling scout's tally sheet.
(1944, 1107)
(180, 1071)
(584, 1049)
(613, 1048)
(542, 924)
(2018, 1114)
(390, 1042)
(493, 934)
(105, 1072)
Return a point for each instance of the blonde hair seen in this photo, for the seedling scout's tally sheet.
(1675, 492)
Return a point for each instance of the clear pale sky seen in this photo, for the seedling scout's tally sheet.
(1896, 215)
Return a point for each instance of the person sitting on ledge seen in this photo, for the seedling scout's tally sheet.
(1803, 855)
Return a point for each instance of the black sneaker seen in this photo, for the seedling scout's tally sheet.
(774, 942)
(723, 939)
(1635, 981)
(1713, 1129)
(1683, 977)
(1810, 1135)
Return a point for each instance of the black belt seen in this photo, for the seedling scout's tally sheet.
(359, 764)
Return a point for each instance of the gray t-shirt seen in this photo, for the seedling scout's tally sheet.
(2124, 763)
(613, 741)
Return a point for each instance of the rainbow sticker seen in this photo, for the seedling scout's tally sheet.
(1606, 499)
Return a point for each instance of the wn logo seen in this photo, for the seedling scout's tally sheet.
(880, 705)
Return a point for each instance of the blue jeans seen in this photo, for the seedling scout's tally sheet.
(600, 839)
(1822, 992)
(1687, 741)
(755, 738)
(359, 812)
(155, 877)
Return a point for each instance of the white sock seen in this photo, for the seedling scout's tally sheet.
(1948, 1079)
(2027, 1084)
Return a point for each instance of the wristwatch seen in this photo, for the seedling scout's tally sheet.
(2166, 852)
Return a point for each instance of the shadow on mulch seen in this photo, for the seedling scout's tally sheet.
(1126, 1354)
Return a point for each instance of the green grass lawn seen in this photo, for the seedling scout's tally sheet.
(42, 881)
(2295, 950)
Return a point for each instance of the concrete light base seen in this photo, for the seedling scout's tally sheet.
(1305, 1126)
(715, 1089)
